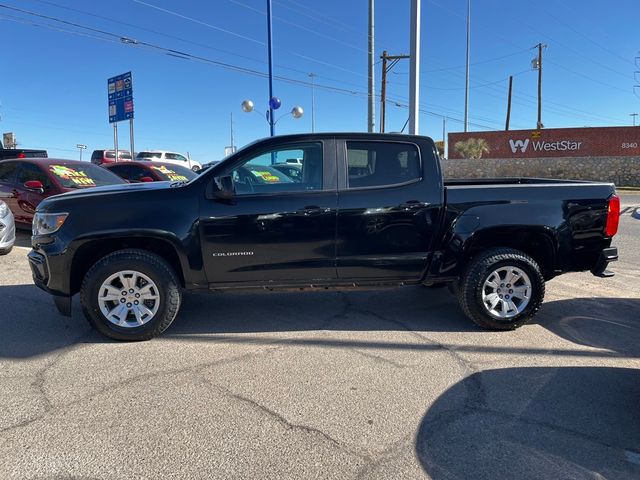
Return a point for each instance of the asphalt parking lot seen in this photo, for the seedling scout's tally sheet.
(374, 384)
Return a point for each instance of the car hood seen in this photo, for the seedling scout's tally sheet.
(107, 190)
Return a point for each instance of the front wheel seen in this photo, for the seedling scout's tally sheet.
(502, 289)
(131, 295)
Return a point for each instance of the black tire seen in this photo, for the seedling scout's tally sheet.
(6, 251)
(142, 261)
(479, 270)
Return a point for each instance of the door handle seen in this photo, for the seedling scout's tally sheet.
(312, 210)
(413, 205)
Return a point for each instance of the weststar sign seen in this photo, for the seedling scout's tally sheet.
(555, 142)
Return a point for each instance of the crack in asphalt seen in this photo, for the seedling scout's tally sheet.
(286, 423)
(380, 358)
(39, 379)
(129, 381)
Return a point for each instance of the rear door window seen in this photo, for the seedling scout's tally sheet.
(29, 172)
(8, 172)
(379, 164)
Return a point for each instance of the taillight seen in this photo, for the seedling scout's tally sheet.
(613, 216)
(22, 155)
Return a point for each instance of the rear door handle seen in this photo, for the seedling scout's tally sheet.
(313, 210)
(413, 205)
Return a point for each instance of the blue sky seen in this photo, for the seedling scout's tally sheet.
(53, 90)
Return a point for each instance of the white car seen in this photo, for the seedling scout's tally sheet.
(168, 157)
(7, 229)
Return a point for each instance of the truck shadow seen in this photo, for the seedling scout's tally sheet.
(532, 423)
(30, 324)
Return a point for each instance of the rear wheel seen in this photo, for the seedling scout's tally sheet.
(502, 289)
(131, 295)
(6, 251)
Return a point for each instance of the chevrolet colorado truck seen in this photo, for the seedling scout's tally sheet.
(368, 210)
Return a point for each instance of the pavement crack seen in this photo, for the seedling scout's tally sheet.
(286, 423)
(50, 409)
(379, 358)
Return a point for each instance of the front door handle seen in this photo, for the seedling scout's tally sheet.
(312, 210)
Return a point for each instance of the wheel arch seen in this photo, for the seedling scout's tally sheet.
(538, 243)
(91, 251)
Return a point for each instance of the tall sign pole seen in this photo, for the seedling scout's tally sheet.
(270, 48)
(120, 95)
(414, 69)
(371, 110)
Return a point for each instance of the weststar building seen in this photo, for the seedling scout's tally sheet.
(555, 142)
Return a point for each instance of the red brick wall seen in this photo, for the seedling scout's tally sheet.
(555, 142)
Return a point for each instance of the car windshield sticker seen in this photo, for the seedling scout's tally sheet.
(266, 176)
(66, 173)
(170, 174)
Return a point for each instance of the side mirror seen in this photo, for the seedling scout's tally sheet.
(146, 179)
(221, 188)
(34, 185)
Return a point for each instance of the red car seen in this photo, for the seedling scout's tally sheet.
(25, 183)
(146, 171)
(100, 157)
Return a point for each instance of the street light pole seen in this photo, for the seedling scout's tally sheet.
(633, 115)
(81, 147)
(270, 48)
(313, 103)
(466, 76)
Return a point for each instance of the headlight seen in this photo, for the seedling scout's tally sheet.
(47, 223)
(4, 210)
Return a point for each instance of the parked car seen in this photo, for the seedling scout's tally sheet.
(25, 183)
(168, 157)
(291, 170)
(101, 157)
(145, 171)
(7, 229)
(371, 210)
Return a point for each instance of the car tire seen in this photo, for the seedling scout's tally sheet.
(146, 279)
(517, 296)
(6, 251)
(195, 169)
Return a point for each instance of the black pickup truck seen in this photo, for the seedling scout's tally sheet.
(366, 211)
(6, 153)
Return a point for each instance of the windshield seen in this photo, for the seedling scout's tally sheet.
(261, 174)
(149, 155)
(174, 173)
(121, 155)
(78, 175)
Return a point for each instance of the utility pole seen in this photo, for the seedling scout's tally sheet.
(444, 136)
(414, 69)
(371, 111)
(386, 67)
(538, 65)
(466, 77)
(313, 103)
(634, 115)
(232, 147)
(509, 102)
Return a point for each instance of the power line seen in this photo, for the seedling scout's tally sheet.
(203, 23)
(297, 25)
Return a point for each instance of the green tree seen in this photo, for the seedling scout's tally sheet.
(472, 148)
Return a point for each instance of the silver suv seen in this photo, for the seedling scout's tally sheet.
(7, 229)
